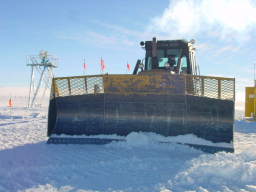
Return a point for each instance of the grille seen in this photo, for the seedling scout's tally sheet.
(212, 87)
(68, 86)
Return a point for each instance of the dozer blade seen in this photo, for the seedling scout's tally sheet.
(168, 105)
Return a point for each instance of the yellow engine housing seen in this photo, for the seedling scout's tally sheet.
(250, 102)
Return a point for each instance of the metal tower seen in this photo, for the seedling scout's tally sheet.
(41, 75)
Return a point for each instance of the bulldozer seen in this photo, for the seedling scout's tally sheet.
(164, 95)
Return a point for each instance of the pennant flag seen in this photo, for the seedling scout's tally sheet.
(102, 64)
(85, 66)
(10, 104)
(128, 66)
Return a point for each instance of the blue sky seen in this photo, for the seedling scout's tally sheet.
(224, 31)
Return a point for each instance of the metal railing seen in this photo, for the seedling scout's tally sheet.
(79, 85)
(212, 87)
(203, 86)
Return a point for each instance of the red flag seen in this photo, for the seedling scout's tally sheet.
(85, 66)
(102, 64)
(10, 104)
(128, 66)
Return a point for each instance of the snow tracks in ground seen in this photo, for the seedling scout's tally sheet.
(28, 164)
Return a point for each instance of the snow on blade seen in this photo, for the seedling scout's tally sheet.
(142, 138)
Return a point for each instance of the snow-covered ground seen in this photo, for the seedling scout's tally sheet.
(28, 164)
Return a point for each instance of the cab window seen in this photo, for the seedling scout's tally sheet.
(164, 56)
(174, 52)
(162, 61)
(184, 64)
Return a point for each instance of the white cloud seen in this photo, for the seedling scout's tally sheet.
(98, 38)
(120, 29)
(192, 17)
(228, 48)
(101, 38)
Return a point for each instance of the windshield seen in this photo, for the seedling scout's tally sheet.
(169, 56)
(172, 59)
(164, 57)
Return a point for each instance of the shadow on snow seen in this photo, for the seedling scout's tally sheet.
(93, 167)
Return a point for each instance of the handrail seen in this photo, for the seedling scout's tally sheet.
(159, 83)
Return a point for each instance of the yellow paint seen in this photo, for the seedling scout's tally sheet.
(137, 84)
(149, 82)
(250, 102)
(56, 88)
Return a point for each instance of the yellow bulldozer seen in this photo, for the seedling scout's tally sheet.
(165, 95)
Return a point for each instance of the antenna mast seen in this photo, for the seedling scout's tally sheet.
(254, 75)
(41, 75)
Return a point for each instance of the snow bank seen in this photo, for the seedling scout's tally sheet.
(245, 126)
(137, 139)
(221, 171)
(169, 169)
(20, 126)
(245, 135)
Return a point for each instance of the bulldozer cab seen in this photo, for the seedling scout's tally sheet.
(175, 56)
